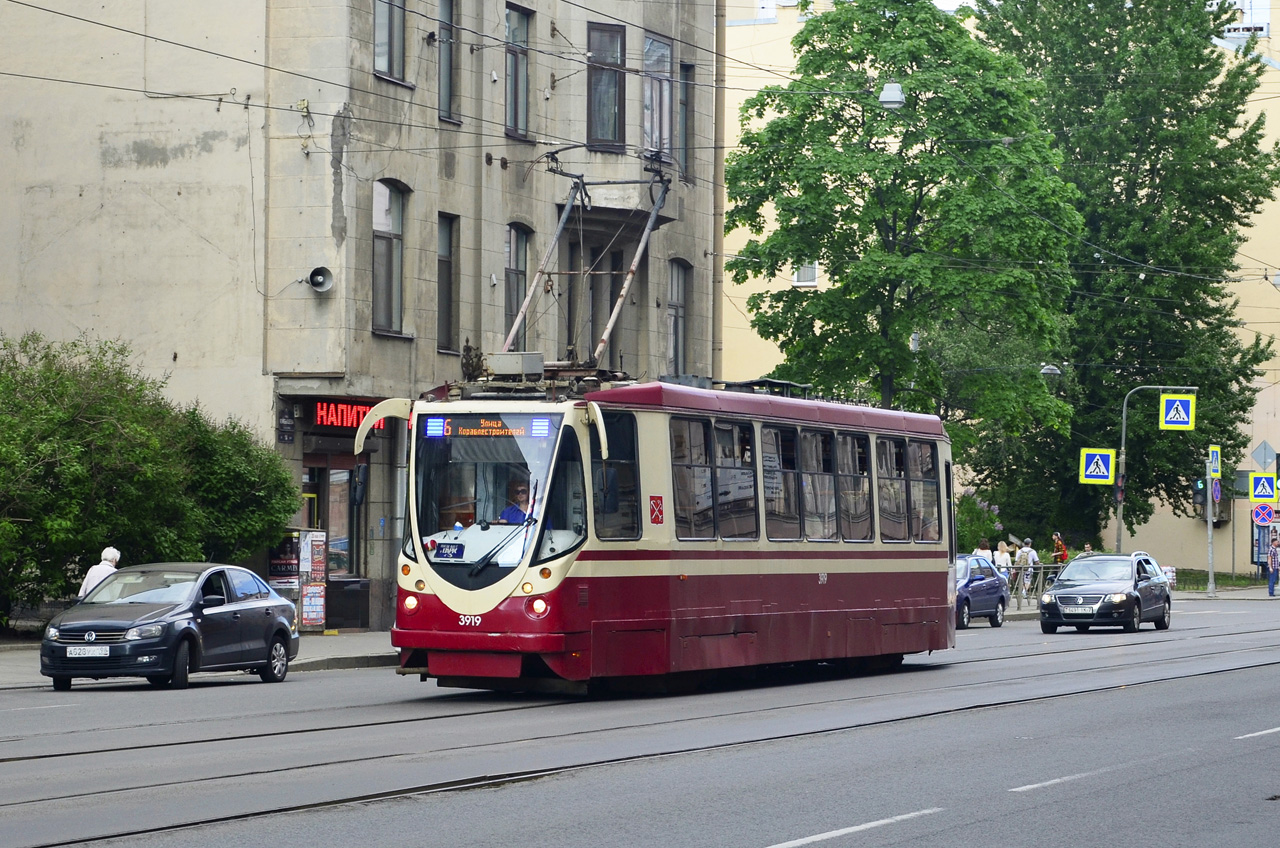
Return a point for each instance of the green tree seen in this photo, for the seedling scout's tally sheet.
(92, 453)
(1150, 118)
(945, 218)
(244, 495)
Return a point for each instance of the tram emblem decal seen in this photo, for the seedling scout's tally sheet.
(655, 509)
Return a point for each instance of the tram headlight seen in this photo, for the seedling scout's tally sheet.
(410, 603)
(537, 608)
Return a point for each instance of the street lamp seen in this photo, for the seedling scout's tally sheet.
(891, 96)
(1124, 423)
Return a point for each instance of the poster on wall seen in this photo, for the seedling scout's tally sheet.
(314, 542)
(313, 605)
(282, 564)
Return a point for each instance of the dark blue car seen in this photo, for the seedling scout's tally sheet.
(166, 620)
(981, 591)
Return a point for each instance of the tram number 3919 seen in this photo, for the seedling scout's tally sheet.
(469, 620)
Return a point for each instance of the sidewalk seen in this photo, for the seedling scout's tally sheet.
(20, 660)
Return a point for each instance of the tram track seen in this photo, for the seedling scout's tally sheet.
(953, 698)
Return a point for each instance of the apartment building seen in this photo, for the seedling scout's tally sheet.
(296, 208)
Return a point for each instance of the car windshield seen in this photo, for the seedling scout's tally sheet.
(143, 587)
(1097, 569)
(962, 570)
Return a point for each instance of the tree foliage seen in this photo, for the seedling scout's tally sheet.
(942, 229)
(1150, 118)
(92, 454)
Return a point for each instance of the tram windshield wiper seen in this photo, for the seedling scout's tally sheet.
(487, 560)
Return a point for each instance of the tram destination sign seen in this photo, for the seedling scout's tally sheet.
(486, 427)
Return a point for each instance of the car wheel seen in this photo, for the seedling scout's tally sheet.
(62, 684)
(1135, 618)
(181, 665)
(1082, 628)
(998, 618)
(159, 680)
(1046, 627)
(962, 617)
(1162, 623)
(277, 662)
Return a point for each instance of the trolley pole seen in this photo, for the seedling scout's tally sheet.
(1209, 509)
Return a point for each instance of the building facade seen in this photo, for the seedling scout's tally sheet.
(296, 209)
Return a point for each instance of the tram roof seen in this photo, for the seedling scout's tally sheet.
(670, 396)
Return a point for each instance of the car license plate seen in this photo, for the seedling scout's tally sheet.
(1078, 610)
(89, 651)
(449, 550)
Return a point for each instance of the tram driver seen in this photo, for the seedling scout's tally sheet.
(518, 511)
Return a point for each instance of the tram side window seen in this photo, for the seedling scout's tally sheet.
(615, 481)
(781, 482)
(691, 478)
(736, 482)
(891, 478)
(926, 509)
(818, 483)
(853, 484)
(565, 512)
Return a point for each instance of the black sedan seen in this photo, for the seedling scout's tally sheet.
(1107, 590)
(166, 620)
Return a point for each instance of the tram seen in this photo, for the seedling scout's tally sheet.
(557, 542)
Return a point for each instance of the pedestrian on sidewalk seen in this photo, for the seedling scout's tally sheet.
(1003, 560)
(1027, 562)
(1273, 565)
(1059, 549)
(101, 571)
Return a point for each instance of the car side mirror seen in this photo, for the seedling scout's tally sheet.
(213, 600)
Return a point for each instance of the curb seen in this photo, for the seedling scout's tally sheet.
(333, 663)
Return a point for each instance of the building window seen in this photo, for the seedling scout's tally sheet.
(517, 251)
(388, 38)
(675, 317)
(448, 60)
(518, 71)
(446, 285)
(657, 95)
(606, 86)
(388, 252)
(684, 122)
(806, 276)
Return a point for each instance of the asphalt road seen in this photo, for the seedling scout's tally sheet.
(1015, 739)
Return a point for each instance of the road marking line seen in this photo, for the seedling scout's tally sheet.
(1058, 780)
(46, 707)
(868, 826)
(1259, 733)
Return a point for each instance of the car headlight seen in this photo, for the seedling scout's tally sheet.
(1046, 598)
(1118, 598)
(51, 633)
(146, 631)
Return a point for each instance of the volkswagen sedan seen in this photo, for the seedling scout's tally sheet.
(1107, 590)
(164, 621)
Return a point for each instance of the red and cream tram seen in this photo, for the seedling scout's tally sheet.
(652, 529)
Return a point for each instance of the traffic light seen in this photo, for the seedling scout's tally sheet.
(1198, 494)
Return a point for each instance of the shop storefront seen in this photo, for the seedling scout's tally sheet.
(342, 563)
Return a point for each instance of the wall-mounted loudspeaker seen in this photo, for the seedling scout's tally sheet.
(321, 279)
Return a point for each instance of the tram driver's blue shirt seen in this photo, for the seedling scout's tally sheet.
(513, 515)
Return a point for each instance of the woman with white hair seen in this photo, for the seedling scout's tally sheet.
(101, 571)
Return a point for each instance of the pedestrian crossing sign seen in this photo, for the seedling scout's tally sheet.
(1262, 487)
(1097, 466)
(1177, 412)
(1215, 462)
